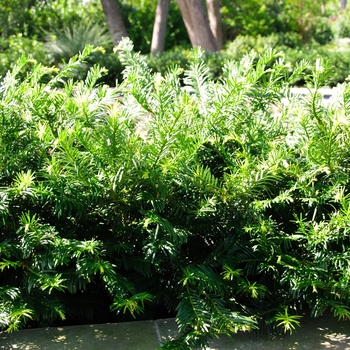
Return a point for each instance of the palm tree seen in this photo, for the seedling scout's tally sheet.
(114, 20)
(159, 28)
(197, 24)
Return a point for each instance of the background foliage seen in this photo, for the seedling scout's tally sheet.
(305, 29)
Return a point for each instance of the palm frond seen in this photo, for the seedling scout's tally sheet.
(65, 43)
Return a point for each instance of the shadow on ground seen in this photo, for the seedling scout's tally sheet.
(322, 333)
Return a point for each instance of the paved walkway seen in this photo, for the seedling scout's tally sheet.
(316, 334)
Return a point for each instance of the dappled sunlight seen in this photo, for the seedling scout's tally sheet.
(337, 341)
(59, 338)
(325, 332)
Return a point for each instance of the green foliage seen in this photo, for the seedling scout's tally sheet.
(337, 53)
(69, 25)
(139, 20)
(256, 18)
(252, 18)
(340, 25)
(14, 47)
(65, 43)
(15, 17)
(28, 18)
(207, 197)
(288, 322)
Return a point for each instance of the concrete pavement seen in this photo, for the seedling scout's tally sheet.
(316, 334)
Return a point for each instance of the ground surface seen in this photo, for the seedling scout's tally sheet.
(317, 334)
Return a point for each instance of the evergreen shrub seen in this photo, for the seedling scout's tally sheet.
(216, 201)
(337, 53)
(12, 48)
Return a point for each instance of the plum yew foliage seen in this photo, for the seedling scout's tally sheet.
(211, 198)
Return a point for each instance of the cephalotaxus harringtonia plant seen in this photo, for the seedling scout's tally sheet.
(46, 256)
(210, 199)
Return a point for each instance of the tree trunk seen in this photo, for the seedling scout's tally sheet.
(159, 28)
(213, 7)
(342, 5)
(197, 24)
(114, 20)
